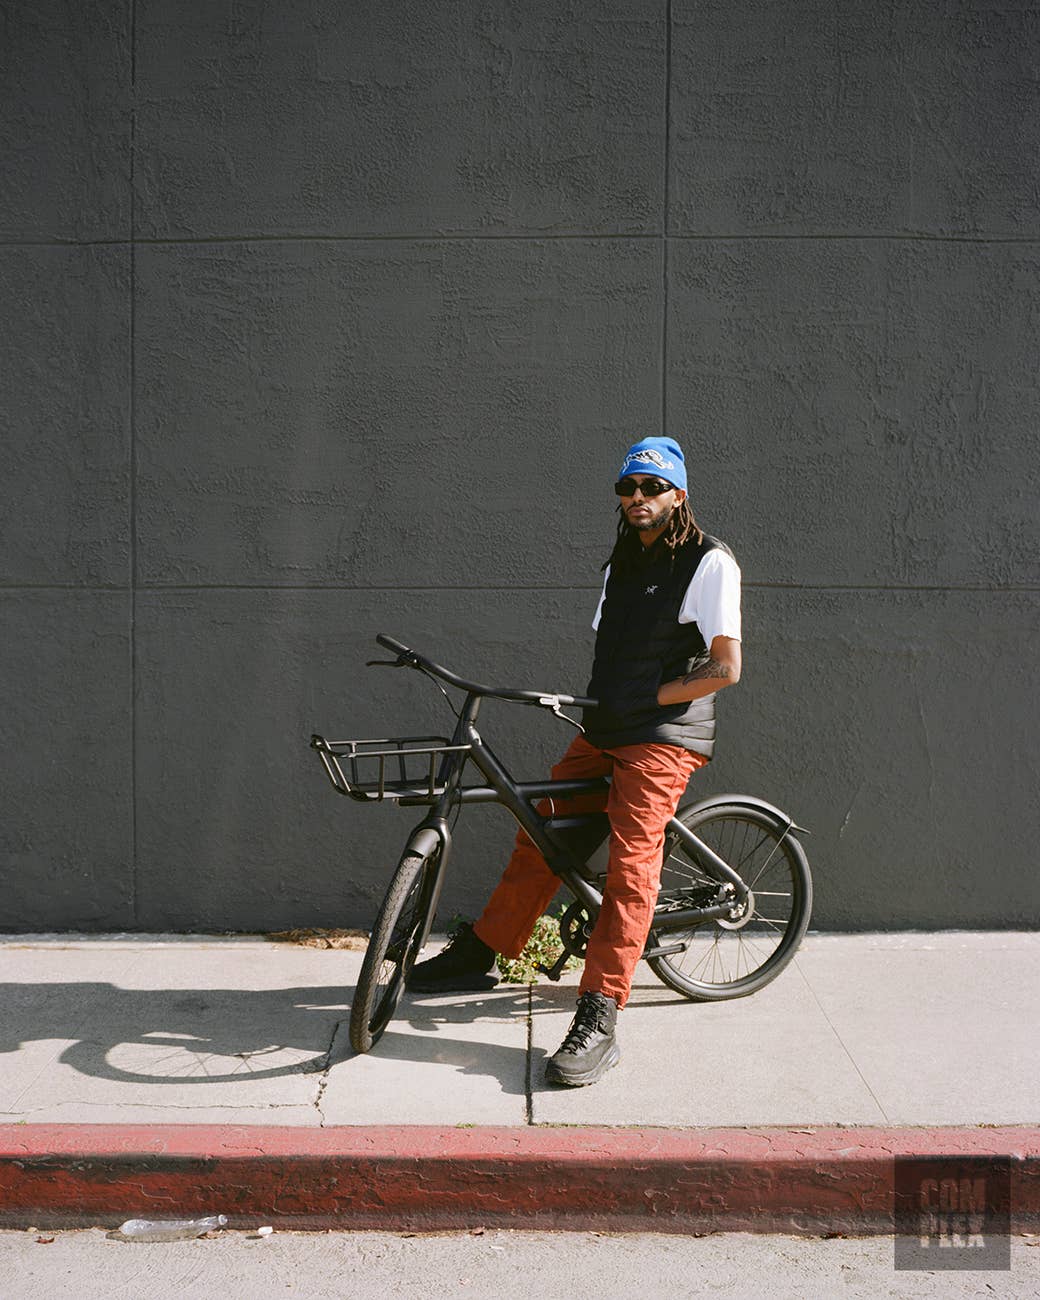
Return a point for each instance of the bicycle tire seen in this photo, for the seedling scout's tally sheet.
(709, 970)
(392, 948)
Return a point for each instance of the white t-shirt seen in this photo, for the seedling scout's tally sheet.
(712, 599)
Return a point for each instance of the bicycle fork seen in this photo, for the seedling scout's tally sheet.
(432, 837)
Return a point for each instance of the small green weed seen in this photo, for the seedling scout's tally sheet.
(542, 948)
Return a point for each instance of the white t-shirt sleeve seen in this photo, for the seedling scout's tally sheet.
(712, 599)
(602, 597)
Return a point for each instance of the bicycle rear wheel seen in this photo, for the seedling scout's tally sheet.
(393, 947)
(732, 957)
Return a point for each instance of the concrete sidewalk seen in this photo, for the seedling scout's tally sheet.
(918, 1041)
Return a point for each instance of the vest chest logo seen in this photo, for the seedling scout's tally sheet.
(650, 590)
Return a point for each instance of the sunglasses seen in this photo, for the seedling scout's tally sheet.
(650, 487)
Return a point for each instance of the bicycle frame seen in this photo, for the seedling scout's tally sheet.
(427, 771)
(519, 797)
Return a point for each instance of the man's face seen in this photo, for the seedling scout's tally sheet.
(647, 513)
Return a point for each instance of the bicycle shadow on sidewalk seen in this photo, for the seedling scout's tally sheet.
(171, 1036)
(194, 1036)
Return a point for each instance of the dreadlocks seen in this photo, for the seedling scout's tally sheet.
(681, 527)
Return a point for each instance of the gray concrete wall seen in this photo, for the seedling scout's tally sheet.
(323, 319)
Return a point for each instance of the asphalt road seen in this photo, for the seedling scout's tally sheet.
(493, 1265)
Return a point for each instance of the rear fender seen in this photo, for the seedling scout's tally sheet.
(746, 801)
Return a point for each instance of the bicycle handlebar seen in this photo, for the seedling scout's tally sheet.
(548, 699)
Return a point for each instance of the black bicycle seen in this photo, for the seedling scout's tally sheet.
(735, 894)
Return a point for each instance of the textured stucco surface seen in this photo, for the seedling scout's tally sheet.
(65, 718)
(317, 411)
(400, 118)
(322, 320)
(809, 118)
(877, 399)
(66, 94)
(65, 414)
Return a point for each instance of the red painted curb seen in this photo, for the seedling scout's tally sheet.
(418, 1178)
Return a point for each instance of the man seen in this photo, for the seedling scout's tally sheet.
(667, 639)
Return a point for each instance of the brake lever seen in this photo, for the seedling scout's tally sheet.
(402, 661)
(552, 703)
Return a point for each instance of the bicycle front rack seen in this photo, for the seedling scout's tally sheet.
(358, 768)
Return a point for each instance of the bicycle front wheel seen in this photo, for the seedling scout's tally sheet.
(730, 957)
(396, 938)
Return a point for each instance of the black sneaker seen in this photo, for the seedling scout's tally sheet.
(590, 1048)
(462, 966)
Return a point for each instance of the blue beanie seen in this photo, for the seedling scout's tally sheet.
(660, 456)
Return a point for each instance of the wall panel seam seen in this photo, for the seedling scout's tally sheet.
(132, 485)
(516, 237)
(665, 221)
(748, 584)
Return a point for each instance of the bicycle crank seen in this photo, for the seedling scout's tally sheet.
(575, 929)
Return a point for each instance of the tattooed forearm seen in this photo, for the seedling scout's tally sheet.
(710, 668)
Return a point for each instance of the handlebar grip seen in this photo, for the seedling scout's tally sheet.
(393, 645)
(580, 701)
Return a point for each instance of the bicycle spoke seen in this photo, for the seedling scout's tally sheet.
(745, 940)
(747, 857)
(707, 956)
(765, 864)
(686, 868)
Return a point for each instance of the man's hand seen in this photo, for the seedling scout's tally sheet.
(721, 669)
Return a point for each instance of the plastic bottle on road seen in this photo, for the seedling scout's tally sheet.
(169, 1229)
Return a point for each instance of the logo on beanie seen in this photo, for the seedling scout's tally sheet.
(648, 457)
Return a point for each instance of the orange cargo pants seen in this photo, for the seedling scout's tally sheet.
(647, 782)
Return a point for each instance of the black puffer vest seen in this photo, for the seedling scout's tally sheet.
(639, 644)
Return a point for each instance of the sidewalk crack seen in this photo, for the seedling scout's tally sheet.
(528, 1090)
(855, 1065)
(326, 1068)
